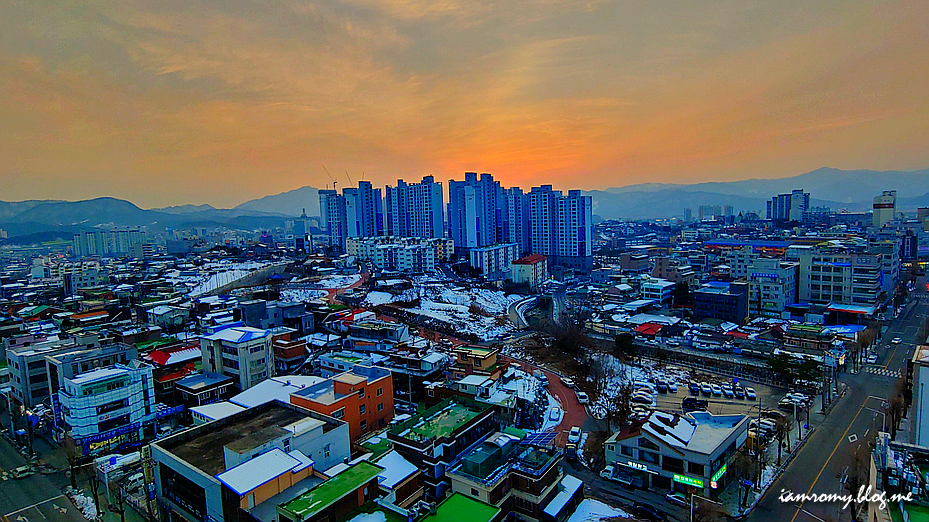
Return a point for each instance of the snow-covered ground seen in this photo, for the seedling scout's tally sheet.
(340, 281)
(590, 510)
(300, 295)
(615, 374)
(453, 304)
(548, 423)
(370, 517)
(214, 275)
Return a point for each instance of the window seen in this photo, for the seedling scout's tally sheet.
(695, 469)
(380, 391)
(626, 450)
(361, 393)
(648, 456)
(380, 406)
(647, 444)
(474, 492)
(672, 464)
(362, 409)
(339, 413)
(364, 425)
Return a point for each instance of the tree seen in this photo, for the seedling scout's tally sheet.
(896, 407)
(73, 453)
(94, 483)
(707, 511)
(620, 406)
(856, 471)
(624, 347)
(781, 431)
(743, 468)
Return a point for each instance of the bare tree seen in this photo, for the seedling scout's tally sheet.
(781, 432)
(707, 511)
(620, 406)
(73, 453)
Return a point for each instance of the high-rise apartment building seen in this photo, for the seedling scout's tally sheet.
(416, 209)
(884, 208)
(364, 210)
(116, 242)
(789, 207)
(475, 211)
(333, 220)
(560, 227)
(575, 249)
(516, 218)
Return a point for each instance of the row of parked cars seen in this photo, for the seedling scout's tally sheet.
(795, 401)
(730, 391)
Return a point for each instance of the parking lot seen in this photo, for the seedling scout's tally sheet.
(767, 397)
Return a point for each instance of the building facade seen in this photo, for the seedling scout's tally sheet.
(416, 209)
(238, 351)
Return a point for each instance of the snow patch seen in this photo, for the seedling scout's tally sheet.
(590, 510)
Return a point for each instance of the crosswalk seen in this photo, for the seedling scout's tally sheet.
(877, 370)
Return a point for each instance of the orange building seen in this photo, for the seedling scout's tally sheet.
(363, 397)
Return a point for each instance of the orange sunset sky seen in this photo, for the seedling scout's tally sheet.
(167, 102)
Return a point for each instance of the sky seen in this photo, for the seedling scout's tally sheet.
(168, 102)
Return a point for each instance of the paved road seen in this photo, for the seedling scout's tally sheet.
(829, 452)
(37, 497)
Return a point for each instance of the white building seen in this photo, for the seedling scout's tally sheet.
(415, 210)
(679, 453)
(405, 254)
(241, 352)
(835, 273)
(884, 207)
(920, 400)
(658, 289)
(532, 270)
(108, 407)
(474, 219)
(494, 261)
(773, 286)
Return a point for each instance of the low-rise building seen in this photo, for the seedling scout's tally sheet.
(434, 439)
(363, 397)
(109, 408)
(252, 461)
(510, 471)
(203, 388)
(241, 352)
(531, 270)
(660, 290)
(724, 301)
(680, 453)
(494, 261)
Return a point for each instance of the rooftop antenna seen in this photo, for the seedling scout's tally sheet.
(334, 182)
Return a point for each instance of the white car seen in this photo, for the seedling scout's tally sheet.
(672, 387)
(555, 414)
(896, 340)
(582, 398)
(574, 436)
(567, 382)
(717, 391)
(750, 393)
(872, 359)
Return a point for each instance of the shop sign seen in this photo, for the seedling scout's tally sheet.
(688, 481)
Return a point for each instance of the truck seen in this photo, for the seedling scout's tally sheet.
(619, 475)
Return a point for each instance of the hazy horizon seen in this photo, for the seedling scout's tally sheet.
(169, 103)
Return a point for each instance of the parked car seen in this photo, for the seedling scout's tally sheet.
(706, 389)
(773, 414)
(673, 342)
(896, 340)
(693, 404)
(676, 497)
(574, 435)
(694, 388)
(567, 382)
(570, 452)
(641, 398)
(662, 387)
(739, 392)
(750, 393)
(672, 387)
(717, 391)
(727, 391)
(647, 512)
(555, 414)
(583, 398)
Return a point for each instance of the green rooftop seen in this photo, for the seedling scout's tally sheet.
(451, 509)
(331, 491)
(347, 358)
(376, 444)
(154, 344)
(439, 421)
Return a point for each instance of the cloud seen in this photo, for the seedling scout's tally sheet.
(231, 100)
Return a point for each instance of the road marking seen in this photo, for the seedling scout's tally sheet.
(852, 438)
(813, 484)
(34, 505)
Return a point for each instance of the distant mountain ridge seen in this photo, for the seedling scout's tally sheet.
(834, 188)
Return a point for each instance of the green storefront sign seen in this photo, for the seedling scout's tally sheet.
(689, 481)
(719, 473)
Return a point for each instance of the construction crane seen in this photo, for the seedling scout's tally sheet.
(334, 182)
(349, 178)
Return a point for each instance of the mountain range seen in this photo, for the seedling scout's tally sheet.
(837, 189)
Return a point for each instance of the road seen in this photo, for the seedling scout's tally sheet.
(575, 414)
(828, 453)
(37, 497)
